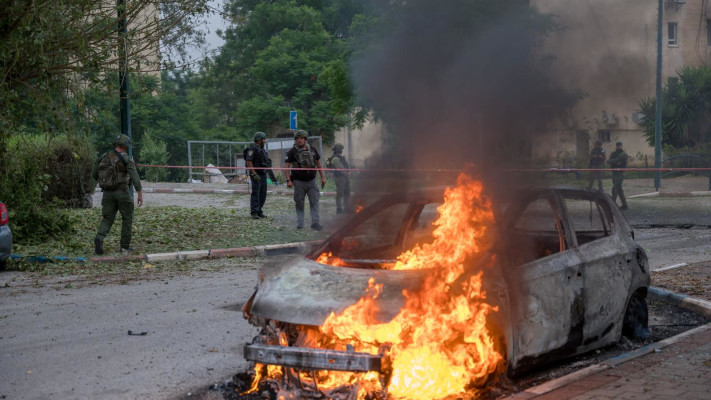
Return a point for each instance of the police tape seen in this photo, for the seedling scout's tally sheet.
(441, 170)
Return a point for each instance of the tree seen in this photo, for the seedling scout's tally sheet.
(49, 50)
(686, 111)
(284, 55)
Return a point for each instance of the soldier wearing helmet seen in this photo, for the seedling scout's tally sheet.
(303, 179)
(342, 177)
(258, 166)
(597, 161)
(618, 160)
(115, 173)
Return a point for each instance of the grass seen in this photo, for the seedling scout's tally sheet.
(160, 230)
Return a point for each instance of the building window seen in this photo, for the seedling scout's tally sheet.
(673, 34)
(603, 135)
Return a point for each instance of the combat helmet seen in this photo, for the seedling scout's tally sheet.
(337, 148)
(301, 133)
(260, 136)
(122, 140)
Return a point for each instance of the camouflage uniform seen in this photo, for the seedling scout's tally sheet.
(304, 182)
(342, 178)
(618, 159)
(597, 161)
(119, 200)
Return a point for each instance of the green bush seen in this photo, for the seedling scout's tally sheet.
(40, 174)
(153, 152)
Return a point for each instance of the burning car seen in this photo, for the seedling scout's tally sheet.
(429, 293)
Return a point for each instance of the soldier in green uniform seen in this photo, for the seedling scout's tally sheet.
(618, 159)
(115, 172)
(597, 161)
(342, 178)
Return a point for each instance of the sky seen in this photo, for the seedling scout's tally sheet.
(210, 25)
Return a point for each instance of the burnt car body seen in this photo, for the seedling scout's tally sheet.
(568, 276)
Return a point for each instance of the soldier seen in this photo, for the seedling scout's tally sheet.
(115, 172)
(258, 161)
(597, 161)
(304, 181)
(342, 177)
(618, 159)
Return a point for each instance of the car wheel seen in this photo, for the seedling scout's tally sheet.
(2, 265)
(636, 318)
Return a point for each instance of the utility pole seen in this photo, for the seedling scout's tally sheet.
(123, 74)
(658, 111)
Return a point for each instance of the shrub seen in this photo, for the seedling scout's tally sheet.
(40, 174)
(153, 151)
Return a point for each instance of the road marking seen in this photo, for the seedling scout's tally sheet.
(671, 267)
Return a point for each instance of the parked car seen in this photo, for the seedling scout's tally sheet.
(5, 236)
(567, 277)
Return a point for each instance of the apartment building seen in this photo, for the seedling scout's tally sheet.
(608, 51)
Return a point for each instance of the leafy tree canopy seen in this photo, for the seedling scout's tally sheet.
(686, 110)
(49, 50)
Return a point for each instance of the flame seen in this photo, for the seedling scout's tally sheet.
(359, 209)
(438, 345)
(328, 258)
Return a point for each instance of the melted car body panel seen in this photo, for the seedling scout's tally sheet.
(304, 292)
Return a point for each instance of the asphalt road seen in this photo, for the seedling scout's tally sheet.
(67, 339)
(63, 340)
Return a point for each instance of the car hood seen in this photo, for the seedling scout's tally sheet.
(301, 291)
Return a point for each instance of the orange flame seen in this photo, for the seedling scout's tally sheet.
(328, 258)
(438, 345)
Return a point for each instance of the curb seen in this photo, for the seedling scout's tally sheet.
(217, 191)
(671, 194)
(255, 251)
(699, 306)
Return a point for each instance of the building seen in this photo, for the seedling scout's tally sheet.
(608, 50)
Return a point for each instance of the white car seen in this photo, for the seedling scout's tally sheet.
(562, 276)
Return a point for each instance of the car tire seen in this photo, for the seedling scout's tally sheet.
(2, 265)
(635, 325)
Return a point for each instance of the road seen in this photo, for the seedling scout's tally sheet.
(65, 338)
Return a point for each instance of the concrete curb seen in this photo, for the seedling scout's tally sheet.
(699, 306)
(255, 251)
(671, 194)
(219, 191)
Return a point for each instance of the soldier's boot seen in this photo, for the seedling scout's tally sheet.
(98, 245)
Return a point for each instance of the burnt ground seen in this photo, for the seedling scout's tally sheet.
(665, 321)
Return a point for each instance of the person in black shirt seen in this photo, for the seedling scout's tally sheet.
(304, 180)
(257, 156)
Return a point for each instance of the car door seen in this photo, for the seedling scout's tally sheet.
(546, 283)
(604, 251)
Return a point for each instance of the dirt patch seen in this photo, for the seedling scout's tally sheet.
(692, 280)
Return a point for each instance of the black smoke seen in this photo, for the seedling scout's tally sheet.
(460, 81)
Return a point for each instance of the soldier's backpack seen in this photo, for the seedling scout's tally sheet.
(109, 170)
(305, 158)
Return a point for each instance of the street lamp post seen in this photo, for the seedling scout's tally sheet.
(658, 110)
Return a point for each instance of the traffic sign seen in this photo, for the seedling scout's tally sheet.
(293, 120)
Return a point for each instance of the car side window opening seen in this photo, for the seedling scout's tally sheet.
(589, 219)
(376, 237)
(537, 232)
(420, 231)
